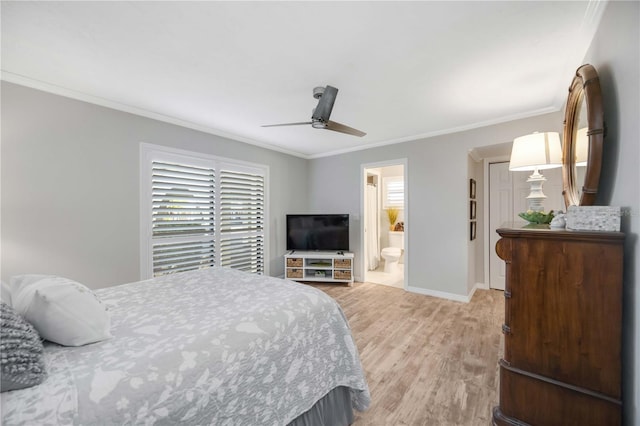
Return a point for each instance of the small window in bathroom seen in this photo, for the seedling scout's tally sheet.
(393, 192)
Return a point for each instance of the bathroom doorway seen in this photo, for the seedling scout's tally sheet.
(384, 223)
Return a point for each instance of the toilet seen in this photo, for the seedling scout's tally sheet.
(391, 254)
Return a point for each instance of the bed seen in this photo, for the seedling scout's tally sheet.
(214, 346)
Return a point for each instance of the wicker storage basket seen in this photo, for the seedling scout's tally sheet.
(294, 262)
(294, 273)
(342, 275)
(342, 263)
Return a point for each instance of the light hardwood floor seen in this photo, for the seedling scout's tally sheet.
(428, 361)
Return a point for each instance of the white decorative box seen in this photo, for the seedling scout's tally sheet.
(593, 218)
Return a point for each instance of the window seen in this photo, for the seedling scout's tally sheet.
(242, 220)
(182, 217)
(393, 192)
(199, 211)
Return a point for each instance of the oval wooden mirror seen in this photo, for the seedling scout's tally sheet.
(583, 138)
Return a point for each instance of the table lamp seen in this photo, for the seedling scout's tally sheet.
(536, 152)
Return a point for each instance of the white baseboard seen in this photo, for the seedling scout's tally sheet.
(440, 294)
(482, 286)
(477, 286)
(446, 295)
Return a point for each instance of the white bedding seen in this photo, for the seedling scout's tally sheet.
(215, 346)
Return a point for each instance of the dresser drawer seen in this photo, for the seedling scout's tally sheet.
(522, 394)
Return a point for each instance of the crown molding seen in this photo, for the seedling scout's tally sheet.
(72, 94)
(108, 103)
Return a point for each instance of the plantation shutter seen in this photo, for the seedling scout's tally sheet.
(183, 217)
(393, 192)
(242, 220)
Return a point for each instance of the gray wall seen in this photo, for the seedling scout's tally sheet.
(476, 247)
(437, 197)
(480, 243)
(70, 186)
(615, 53)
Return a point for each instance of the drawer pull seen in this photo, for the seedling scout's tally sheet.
(506, 329)
(503, 362)
(507, 294)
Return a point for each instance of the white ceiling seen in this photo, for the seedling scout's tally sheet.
(405, 70)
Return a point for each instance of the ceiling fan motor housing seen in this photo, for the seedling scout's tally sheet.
(322, 112)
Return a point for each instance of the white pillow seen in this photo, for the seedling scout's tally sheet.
(61, 310)
(5, 295)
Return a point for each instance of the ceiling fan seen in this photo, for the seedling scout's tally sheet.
(322, 112)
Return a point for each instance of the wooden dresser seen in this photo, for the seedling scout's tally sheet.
(563, 319)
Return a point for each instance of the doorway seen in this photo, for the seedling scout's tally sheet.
(384, 223)
(500, 211)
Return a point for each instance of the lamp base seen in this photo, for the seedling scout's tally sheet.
(536, 196)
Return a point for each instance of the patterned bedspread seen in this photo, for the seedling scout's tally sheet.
(215, 346)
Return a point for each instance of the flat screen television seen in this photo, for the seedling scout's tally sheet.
(308, 232)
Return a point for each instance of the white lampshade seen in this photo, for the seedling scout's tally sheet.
(536, 151)
(582, 147)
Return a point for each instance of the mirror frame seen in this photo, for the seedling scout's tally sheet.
(585, 84)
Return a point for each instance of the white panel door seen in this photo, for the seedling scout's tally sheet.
(500, 211)
(521, 188)
(507, 197)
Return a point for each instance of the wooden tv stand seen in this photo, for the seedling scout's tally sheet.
(319, 266)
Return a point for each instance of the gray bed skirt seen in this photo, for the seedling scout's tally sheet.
(333, 409)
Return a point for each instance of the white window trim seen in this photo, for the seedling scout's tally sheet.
(149, 153)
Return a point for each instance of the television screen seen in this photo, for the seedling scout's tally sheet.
(318, 232)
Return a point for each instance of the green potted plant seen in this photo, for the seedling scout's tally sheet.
(538, 218)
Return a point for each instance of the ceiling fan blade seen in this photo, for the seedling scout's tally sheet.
(325, 104)
(287, 124)
(337, 127)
